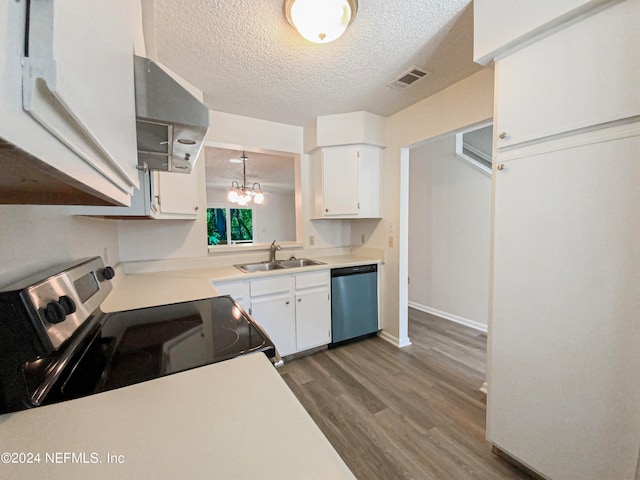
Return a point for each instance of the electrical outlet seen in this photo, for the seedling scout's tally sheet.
(312, 240)
(390, 242)
(362, 238)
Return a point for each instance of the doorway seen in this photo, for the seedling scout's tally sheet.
(448, 208)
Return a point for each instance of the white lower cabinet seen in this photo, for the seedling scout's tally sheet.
(313, 310)
(239, 291)
(294, 310)
(277, 315)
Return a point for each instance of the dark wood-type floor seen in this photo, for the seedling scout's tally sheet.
(411, 413)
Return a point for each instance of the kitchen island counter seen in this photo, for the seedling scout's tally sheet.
(231, 420)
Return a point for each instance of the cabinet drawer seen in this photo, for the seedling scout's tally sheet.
(574, 79)
(314, 279)
(271, 285)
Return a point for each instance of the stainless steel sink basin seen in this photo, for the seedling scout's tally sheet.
(299, 262)
(259, 267)
(280, 264)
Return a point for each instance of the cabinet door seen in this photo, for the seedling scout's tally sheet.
(552, 87)
(564, 329)
(313, 318)
(340, 172)
(277, 315)
(177, 194)
(369, 203)
(78, 82)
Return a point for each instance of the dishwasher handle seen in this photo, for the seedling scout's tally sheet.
(343, 272)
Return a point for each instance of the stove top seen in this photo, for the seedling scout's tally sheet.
(101, 351)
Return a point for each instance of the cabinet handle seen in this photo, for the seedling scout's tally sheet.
(287, 302)
(196, 208)
(500, 166)
(299, 300)
(503, 135)
(326, 210)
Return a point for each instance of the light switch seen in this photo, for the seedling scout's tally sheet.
(390, 242)
(312, 240)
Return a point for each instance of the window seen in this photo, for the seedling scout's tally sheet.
(474, 147)
(227, 226)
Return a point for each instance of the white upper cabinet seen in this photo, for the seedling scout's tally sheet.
(176, 195)
(161, 196)
(68, 100)
(598, 85)
(501, 25)
(346, 182)
(340, 170)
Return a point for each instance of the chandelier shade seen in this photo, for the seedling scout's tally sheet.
(243, 194)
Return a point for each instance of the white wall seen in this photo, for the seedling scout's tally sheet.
(180, 239)
(273, 220)
(37, 237)
(449, 230)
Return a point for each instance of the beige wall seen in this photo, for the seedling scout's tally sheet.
(449, 229)
(467, 102)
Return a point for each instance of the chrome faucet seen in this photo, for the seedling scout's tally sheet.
(272, 252)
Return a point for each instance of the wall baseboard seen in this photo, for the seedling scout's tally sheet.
(449, 316)
(405, 342)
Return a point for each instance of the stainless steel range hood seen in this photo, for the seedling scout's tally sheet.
(171, 123)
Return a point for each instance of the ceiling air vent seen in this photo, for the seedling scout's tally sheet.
(410, 77)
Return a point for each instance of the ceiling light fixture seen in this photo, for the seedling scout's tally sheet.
(242, 194)
(320, 21)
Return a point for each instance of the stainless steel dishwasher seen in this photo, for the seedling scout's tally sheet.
(354, 303)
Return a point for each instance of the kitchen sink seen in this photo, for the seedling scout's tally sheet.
(277, 265)
(259, 267)
(299, 262)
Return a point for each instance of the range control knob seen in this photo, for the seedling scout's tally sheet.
(108, 273)
(55, 312)
(68, 304)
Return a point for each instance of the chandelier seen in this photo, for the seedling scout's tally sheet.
(243, 194)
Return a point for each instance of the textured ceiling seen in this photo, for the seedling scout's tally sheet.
(249, 61)
(274, 173)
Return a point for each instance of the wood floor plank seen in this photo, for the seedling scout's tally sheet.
(410, 413)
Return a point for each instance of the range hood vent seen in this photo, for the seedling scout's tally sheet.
(171, 123)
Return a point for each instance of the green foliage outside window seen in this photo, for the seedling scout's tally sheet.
(217, 226)
(240, 225)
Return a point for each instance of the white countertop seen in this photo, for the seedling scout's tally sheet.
(170, 286)
(232, 420)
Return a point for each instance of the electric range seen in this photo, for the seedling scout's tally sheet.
(56, 344)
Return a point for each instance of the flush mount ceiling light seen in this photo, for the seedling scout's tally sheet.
(320, 21)
(243, 194)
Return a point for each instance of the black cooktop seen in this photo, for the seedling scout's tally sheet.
(134, 346)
